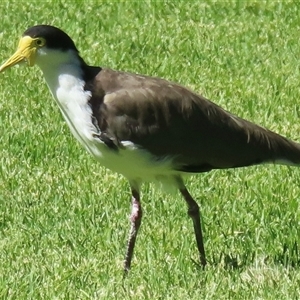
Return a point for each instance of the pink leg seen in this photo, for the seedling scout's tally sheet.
(135, 218)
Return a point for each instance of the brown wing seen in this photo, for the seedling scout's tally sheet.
(169, 120)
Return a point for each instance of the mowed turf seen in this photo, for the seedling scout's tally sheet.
(64, 219)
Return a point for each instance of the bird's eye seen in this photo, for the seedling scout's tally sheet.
(40, 42)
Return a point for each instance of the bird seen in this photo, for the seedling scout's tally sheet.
(147, 129)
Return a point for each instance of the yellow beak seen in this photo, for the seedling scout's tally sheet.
(26, 51)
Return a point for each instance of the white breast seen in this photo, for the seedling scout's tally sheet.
(73, 101)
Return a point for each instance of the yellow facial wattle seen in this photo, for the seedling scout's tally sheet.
(26, 52)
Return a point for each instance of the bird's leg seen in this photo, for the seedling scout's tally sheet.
(135, 218)
(194, 213)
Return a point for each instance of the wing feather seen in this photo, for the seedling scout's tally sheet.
(169, 120)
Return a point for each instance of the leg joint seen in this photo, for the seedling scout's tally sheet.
(193, 210)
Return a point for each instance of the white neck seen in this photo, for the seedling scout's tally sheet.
(63, 74)
(54, 63)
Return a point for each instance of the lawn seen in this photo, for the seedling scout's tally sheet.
(64, 218)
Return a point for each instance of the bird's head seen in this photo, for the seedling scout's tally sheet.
(37, 42)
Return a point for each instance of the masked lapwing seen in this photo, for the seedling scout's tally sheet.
(145, 128)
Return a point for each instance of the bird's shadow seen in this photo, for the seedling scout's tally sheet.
(288, 257)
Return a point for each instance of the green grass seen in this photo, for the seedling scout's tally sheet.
(64, 219)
